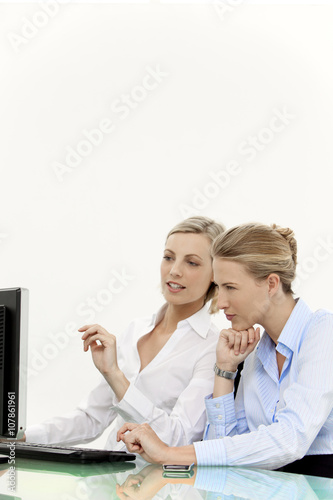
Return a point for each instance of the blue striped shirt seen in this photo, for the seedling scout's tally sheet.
(275, 421)
(240, 482)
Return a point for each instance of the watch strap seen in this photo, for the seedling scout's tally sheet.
(224, 373)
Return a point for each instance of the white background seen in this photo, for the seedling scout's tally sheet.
(226, 74)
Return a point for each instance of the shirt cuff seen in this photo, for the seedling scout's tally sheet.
(36, 434)
(211, 452)
(135, 406)
(221, 410)
(210, 479)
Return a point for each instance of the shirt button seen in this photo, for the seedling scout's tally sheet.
(217, 405)
(219, 417)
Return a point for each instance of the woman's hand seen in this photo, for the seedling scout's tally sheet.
(142, 486)
(143, 440)
(103, 347)
(233, 347)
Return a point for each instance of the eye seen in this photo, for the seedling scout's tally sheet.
(228, 287)
(192, 263)
(167, 257)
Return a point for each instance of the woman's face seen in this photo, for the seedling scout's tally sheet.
(244, 300)
(186, 269)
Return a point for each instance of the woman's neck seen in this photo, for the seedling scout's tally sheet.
(278, 315)
(176, 313)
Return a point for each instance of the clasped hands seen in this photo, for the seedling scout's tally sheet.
(234, 346)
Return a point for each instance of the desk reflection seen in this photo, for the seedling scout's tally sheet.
(37, 481)
(223, 483)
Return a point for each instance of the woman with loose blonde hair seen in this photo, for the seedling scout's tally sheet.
(159, 369)
(207, 227)
(282, 416)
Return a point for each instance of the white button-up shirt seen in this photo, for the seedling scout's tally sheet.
(168, 393)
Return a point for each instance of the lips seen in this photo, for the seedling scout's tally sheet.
(230, 316)
(175, 287)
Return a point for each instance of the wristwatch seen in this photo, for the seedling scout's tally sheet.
(224, 373)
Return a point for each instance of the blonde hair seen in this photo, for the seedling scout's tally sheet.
(261, 249)
(208, 227)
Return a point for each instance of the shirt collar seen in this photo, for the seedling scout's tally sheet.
(199, 321)
(298, 318)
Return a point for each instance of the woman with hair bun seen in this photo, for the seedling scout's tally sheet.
(282, 416)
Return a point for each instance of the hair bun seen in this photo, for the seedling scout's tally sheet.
(288, 234)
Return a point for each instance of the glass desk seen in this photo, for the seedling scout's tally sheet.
(138, 480)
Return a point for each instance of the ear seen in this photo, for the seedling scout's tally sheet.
(273, 282)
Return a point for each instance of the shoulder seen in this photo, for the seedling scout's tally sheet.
(321, 318)
(317, 338)
(304, 322)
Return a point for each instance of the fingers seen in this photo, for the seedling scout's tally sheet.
(89, 329)
(94, 333)
(251, 335)
(120, 492)
(143, 440)
(240, 341)
(256, 336)
(125, 428)
(132, 439)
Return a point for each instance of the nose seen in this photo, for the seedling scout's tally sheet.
(222, 300)
(176, 269)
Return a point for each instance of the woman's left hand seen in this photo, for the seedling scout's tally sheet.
(234, 346)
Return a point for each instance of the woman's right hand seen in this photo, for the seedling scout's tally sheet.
(141, 439)
(233, 347)
(142, 486)
(103, 347)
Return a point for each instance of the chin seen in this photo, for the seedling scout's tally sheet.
(241, 324)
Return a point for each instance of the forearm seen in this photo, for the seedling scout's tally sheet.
(222, 385)
(182, 426)
(117, 381)
(92, 416)
(72, 429)
(182, 455)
